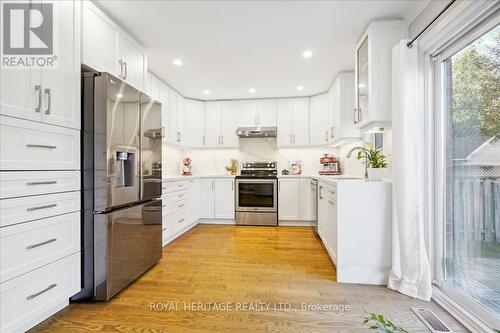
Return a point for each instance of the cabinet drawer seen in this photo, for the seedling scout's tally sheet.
(174, 207)
(176, 196)
(32, 297)
(24, 183)
(28, 246)
(25, 209)
(28, 145)
(175, 186)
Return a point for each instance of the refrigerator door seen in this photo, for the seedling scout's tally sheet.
(127, 243)
(116, 143)
(151, 148)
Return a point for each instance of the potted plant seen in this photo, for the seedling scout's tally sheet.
(378, 323)
(376, 162)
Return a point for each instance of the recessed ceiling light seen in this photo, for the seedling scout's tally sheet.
(307, 54)
(251, 90)
(119, 95)
(177, 62)
(206, 92)
(300, 88)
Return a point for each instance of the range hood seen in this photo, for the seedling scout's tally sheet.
(256, 132)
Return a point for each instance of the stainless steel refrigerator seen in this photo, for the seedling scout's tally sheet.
(121, 185)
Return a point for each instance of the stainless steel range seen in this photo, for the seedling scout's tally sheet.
(256, 194)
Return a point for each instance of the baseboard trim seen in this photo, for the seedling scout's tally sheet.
(217, 221)
(289, 223)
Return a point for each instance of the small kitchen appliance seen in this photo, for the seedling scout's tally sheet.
(256, 194)
(186, 169)
(331, 166)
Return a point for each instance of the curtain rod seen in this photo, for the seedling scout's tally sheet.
(409, 44)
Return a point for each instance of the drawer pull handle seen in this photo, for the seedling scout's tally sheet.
(41, 146)
(180, 195)
(331, 202)
(52, 286)
(41, 183)
(41, 207)
(40, 244)
(181, 220)
(181, 206)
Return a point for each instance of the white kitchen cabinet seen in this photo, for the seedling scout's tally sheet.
(169, 113)
(99, 40)
(373, 59)
(319, 119)
(50, 95)
(221, 121)
(308, 200)
(224, 198)
(252, 113)
(229, 118)
(343, 128)
(247, 113)
(292, 122)
(212, 124)
(322, 212)
(288, 199)
(180, 118)
(194, 200)
(107, 48)
(155, 87)
(207, 198)
(194, 123)
(266, 112)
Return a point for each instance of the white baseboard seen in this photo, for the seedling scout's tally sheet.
(217, 221)
(286, 223)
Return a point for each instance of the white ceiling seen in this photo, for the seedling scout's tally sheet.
(228, 47)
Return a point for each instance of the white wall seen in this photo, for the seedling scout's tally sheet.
(213, 161)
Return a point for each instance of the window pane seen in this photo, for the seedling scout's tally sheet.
(473, 170)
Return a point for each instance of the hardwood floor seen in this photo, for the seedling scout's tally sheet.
(214, 266)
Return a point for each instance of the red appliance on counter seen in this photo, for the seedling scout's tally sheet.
(331, 166)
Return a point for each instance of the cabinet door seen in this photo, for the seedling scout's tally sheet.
(194, 200)
(333, 120)
(308, 200)
(301, 121)
(332, 227)
(100, 40)
(319, 126)
(212, 124)
(61, 86)
(172, 134)
(266, 112)
(224, 192)
(322, 212)
(285, 122)
(247, 113)
(289, 199)
(229, 112)
(344, 104)
(155, 88)
(133, 60)
(193, 123)
(180, 118)
(207, 198)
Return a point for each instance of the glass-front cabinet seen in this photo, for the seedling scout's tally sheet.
(373, 61)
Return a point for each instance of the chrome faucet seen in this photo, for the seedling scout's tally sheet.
(364, 150)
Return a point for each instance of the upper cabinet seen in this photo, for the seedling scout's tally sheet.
(342, 96)
(320, 119)
(373, 73)
(293, 122)
(194, 123)
(252, 113)
(173, 112)
(49, 95)
(107, 48)
(221, 121)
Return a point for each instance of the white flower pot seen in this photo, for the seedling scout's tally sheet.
(376, 174)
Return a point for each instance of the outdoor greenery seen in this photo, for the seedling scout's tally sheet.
(378, 323)
(476, 88)
(375, 158)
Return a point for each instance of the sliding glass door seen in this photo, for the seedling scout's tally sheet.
(469, 72)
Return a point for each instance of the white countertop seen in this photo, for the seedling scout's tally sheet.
(179, 177)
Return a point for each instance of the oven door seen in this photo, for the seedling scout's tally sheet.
(256, 195)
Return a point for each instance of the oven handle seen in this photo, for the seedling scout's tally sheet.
(260, 181)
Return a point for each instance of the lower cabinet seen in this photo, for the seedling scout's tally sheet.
(296, 199)
(217, 198)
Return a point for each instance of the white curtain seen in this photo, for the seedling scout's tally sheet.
(410, 272)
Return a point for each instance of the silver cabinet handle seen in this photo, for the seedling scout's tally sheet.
(40, 244)
(41, 183)
(30, 209)
(331, 202)
(326, 136)
(38, 90)
(41, 146)
(222, 139)
(320, 193)
(126, 70)
(181, 220)
(52, 286)
(121, 68)
(162, 132)
(49, 100)
(360, 115)
(331, 131)
(179, 206)
(355, 118)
